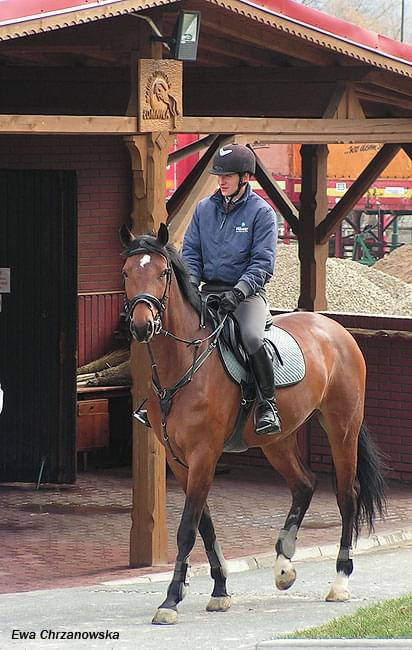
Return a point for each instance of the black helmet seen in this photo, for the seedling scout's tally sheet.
(233, 159)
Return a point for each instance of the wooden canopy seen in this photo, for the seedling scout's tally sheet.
(273, 72)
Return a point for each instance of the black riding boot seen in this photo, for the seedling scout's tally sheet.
(267, 420)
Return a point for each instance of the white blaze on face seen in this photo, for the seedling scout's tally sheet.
(145, 260)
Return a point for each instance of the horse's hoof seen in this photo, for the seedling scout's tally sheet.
(285, 579)
(218, 604)
(338, 596)
(164, 616)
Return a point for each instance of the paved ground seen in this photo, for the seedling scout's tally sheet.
(70, 536)
(121, 613)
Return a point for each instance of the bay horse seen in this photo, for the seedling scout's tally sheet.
(193, 404)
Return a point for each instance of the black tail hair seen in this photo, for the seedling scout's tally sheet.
(372, 487)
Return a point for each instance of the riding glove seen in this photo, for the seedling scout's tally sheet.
(230, 300)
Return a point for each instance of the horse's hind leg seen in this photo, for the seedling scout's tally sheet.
(284, 457)
(220, 599)
(343, 440)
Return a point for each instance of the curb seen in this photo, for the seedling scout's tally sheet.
(335, 644)
(267, 560)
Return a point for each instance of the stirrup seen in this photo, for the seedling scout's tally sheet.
(142, 417)
(270, 427)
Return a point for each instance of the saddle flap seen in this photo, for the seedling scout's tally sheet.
(287, 358)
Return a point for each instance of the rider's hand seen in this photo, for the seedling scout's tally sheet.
(230, 300)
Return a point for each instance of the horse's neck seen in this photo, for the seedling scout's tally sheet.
(180, 319)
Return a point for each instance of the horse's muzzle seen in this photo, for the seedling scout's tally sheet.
(142, 333)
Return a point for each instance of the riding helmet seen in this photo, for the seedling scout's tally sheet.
(233, 159)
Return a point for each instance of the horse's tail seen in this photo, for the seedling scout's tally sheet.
(371, 498)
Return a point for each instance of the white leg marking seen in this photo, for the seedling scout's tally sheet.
(285, 574)
(339, 592)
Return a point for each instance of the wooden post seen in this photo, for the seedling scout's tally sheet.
(148, 535)
(313, 209)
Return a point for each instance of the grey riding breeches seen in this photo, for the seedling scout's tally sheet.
(251, 316)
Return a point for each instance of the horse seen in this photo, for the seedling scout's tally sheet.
(193, 404)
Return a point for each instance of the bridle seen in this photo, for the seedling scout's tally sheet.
(157, 307)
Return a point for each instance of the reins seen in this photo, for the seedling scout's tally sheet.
(165, 395)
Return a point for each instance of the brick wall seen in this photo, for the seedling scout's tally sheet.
(102, 166)
(388, 405)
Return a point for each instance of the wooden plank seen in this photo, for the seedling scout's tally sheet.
(189, 149)
(305, 131)
(68, 124)
(277, 195)
(284, 130)
(204, 186)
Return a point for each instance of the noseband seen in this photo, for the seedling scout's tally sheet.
(157, 306)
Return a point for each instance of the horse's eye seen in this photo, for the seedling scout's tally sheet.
(124, 274)
(164, 273)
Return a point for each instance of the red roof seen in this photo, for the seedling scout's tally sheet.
(13, 12)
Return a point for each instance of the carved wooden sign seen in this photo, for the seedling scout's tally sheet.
(159, 98)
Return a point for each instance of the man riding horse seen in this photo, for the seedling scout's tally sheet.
(230, 246)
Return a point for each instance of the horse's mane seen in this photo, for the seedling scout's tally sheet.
(150, 244)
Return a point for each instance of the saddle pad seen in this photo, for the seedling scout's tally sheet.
(290, 371)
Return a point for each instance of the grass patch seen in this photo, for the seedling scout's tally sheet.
(390, 619)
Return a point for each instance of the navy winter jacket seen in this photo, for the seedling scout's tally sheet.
(236, 248)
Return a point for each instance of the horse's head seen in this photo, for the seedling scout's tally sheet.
(147, 276)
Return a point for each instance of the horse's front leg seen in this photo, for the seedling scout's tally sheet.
(220, 599)
(200, 476)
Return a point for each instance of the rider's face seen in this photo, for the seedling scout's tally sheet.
(228, 184)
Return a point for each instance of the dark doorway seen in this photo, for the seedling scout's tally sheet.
(38, 243)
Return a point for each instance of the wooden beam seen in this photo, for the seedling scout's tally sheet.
(334, 100)
(277, 195)
(270, 74)
(193, 147)
(68, 125)
(204, 186)
(259, 35)
(284, 130)
(148, 534)
(356, 190)
(305, 131)
(313, 207)
(408, 149)
(180, 194)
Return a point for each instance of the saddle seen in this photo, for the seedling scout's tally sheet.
(285, 352)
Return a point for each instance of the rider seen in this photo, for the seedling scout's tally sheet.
(230, 245)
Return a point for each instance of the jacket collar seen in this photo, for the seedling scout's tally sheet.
(218, 198)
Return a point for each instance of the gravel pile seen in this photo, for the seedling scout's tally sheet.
(351, 287)
(398, 263)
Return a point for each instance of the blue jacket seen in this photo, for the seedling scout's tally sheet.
(236, 248)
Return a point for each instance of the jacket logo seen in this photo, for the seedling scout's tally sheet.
(242, 228)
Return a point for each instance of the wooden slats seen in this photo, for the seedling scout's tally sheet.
(98, 318)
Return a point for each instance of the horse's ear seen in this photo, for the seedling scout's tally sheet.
(126, 236)
(163, 234)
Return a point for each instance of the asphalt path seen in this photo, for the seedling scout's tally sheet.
(259, 612)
